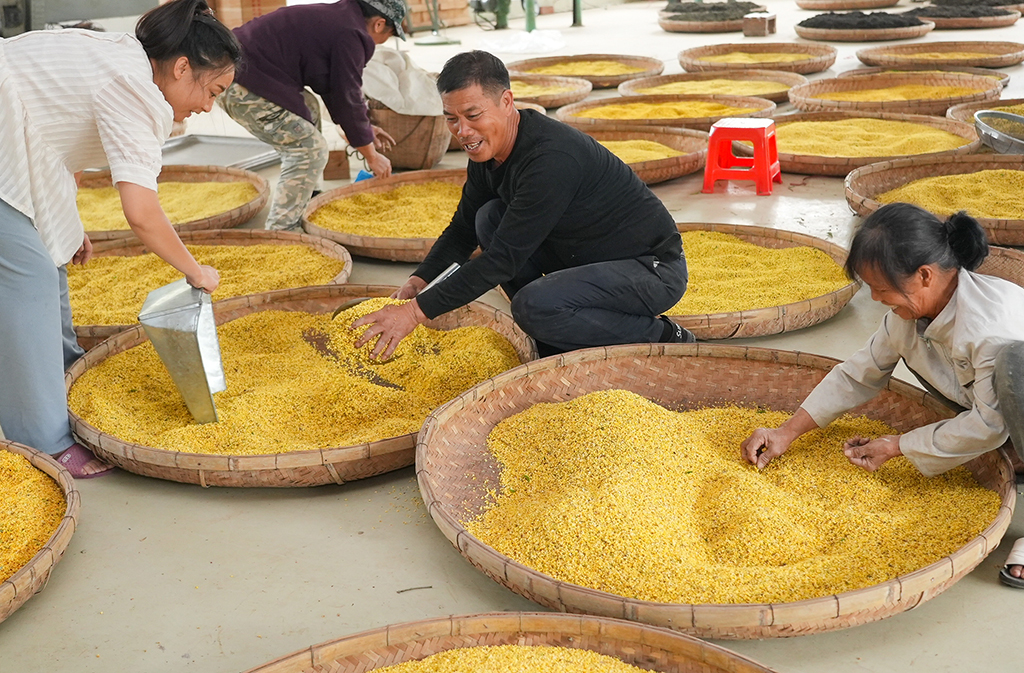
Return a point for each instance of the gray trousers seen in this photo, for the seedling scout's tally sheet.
(599, 304)
(37, 340)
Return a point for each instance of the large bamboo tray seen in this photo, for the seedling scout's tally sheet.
(867, 182)
(965, 112)
(651, 66)
(694, 145)
(762, 108)
(790, 79)
(579, 89)
(771, 319)
(675, 26)
(863, 34)
(819, 57)
(964, 22)
(803, 97)
(330, 465)
(1002, 77)
(225, 220)
(1005, 263)
(380, 247)
(1002, 54)
(643, 646)
(811, 164)
(33, 576)
(841, 5)
(455, 471)
(90, 335)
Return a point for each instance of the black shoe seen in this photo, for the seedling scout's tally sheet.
(675, 334)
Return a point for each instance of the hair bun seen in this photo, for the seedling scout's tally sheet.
(967, 240)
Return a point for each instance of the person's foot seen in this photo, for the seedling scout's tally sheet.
(1012, 573)
(675, 334)
(81, 462)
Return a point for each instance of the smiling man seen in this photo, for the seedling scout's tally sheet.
(586, 253)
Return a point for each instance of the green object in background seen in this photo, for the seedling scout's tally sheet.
(501, 14)
(530, 8)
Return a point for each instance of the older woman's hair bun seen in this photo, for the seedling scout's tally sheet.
(967, 240)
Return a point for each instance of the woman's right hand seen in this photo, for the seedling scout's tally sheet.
(411, 288)
(764, 444)
(206, 279)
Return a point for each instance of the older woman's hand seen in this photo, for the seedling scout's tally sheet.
(764, 444)
(871, 453)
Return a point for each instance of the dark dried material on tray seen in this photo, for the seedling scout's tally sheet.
(977, 3)
(860, 20)
(957, 11)
(710, 11)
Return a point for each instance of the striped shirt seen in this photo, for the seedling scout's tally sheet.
(70, 100)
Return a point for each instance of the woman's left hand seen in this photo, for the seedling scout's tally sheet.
(84, 253)
(871, 453)
(382, 140)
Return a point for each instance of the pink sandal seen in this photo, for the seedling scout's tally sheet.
(75, 458)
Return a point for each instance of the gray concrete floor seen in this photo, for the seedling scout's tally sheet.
(163, 576)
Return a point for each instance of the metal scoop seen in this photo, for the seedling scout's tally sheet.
(359, 300)
(178, 319)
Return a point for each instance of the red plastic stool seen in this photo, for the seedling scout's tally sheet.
(722, 164)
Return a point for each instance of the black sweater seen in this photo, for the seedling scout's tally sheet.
(566, 195)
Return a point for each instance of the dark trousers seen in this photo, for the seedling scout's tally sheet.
(597, 304)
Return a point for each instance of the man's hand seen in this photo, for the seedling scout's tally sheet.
(392, 323)
(764, 444)
(412, 287)
(871, 453)
(84, 253)
(382, 140)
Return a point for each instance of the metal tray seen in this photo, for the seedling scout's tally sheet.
(235, 152)
(1003, 143)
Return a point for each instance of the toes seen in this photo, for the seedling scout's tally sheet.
(1015, 570)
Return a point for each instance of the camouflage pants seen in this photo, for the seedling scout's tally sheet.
(302, 147)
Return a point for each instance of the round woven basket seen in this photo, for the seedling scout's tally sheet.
(771, 319)
(1001, 77)
(819, 57)
(647, 647)
(333, 465)
(693, 144)
(674, 26)
(803, 97)
(1002, 54)
(841, 5)
(651, 66)
(863, 34)
(634, 87)
(965, 112)
(579, 89)
(455, 470)
(420, 140)
(762, 108)
(526, 105)
(810, 164)
(1005, 263)
(963, 22)
(32, 577)
(379, 247)
(225, 220)
(90, 335)
(867, 182)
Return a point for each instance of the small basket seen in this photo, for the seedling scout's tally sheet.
(842, 5)
(965, 112)
(803, 97)
(867, 182)
(771, 319)
(90, 335)
(651, 66)
(819, 57)
(455, 469)
(380, 247)
(330, 465)
(965, 22)
(420, 140)
(643, 646)
(31, 578)
(225, 220)
(1000, 77)
(864, 34)
(1002, 54)
(694, 145)
(580, 89)
(789, 79)
(762, 108)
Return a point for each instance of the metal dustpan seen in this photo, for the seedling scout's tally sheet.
(178, 319)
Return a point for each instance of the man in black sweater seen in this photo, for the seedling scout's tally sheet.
(586, 253)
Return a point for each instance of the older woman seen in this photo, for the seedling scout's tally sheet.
(958, 331)
(71, 100)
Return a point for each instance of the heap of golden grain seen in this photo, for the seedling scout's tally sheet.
(731, 87)
(514, 659)
(994, 194)
(899, 92)
(586, 68)
(667, 110)
(864, 137)
(637, 151)
(756, 57)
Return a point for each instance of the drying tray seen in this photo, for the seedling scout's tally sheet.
(643, 646)
(225, 220)
(334, 465)
(234, 152)
(32, 577)
(1002, 77)
(963, 22)
(867, 182)
(455, 470)
(693, 144)
(842, 5)
(729, 26)
(580, 89)
(802, 97)
(651, 66)
(819, 57)
(864, 34)
(762, 108)
(965, 112)
(1005, 263)
(380, 247)
(772, 319)
(90, 335)
(789, 79)
(1002, 54)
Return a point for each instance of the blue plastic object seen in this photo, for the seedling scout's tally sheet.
(363, 175)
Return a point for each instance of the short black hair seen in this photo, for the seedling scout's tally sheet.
(474, 67)
(898, 239)
(373, 12)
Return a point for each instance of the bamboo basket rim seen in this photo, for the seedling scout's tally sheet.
(1001, 77)
(1003, 53)
(368, 245)
(717, 620)
(802, 97)
(477, 629)
(965, 111)
(652, 66)
(191, 173)
(763, 108)
(841, 5)
(693, 144)
(789, 79)
(963, 22)
(127, 455)
(864, 34)
(819, 56)
(727, 26)
(32, 577)
(581, 88)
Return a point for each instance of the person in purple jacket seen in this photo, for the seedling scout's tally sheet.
(287, 53)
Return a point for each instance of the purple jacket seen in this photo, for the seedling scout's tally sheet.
(323, 47)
